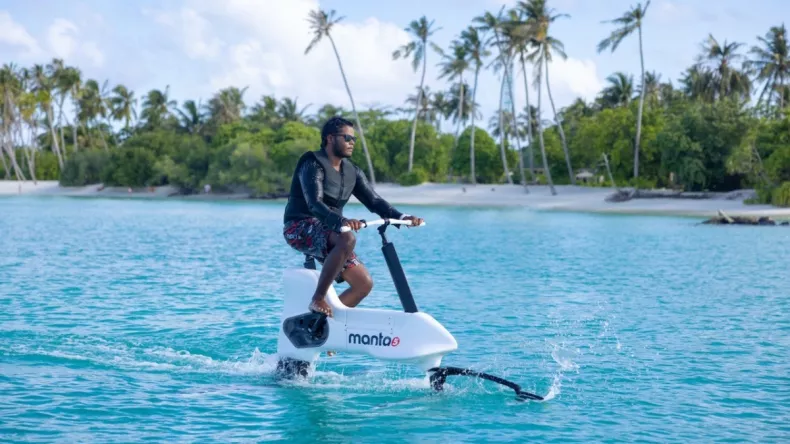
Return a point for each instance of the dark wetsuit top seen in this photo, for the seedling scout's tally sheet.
(316, 192)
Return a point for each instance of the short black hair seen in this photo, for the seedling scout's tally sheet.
(333, 126)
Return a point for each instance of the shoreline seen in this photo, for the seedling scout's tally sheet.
(569, 198)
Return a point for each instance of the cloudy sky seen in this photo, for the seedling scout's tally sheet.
(199, 46)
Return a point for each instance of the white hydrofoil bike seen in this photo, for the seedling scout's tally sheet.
(407, 336)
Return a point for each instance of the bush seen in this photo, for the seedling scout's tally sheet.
(642, 183)
(131, 167)
(781, 195)
(84, 168)
(416, 177)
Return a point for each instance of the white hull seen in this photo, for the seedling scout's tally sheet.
(413, 338)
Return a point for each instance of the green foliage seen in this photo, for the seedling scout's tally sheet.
(416, 177)
(84, 168)
(130, 167)
(781, 196)
(488, 159)
(613, 131)
(47, 167)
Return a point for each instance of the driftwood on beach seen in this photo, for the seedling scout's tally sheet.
(626, 195)
(724, 219)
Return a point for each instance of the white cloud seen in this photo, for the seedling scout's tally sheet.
(93, 53)
(192, 32)
(266, 44)
(575, 78)
(14, 34)
(62, 37)
(263, 43)
(671, 11)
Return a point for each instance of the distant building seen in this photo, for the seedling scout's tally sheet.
(584, 175)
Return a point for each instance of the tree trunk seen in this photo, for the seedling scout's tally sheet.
(55, 146)
(74, 134)
(34, 148)
(6, 138)
(31, 163)
(60, 123)
(6, 171)
(30, 156)
(356, 116)
(639, 113)
(515, 127)
(472, 140)
(460, 112)
(559, 126)
(9, 149)
(529, 122)
(546, 171)
(502, 129)
(417, 108)
(460, 120)
(609, 171)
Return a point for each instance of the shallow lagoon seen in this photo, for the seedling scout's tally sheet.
(127, 320)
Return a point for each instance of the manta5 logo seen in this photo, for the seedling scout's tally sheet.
(380, 340)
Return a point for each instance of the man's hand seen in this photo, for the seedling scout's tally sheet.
(354, 224)
(415, 221)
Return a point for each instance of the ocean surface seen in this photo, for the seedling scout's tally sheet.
(129, 321)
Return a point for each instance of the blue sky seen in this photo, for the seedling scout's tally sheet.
(199, 46)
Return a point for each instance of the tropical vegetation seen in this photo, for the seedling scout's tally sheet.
(723, 125)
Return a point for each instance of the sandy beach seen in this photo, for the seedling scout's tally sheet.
(568, 198)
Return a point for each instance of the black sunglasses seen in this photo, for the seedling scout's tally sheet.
(348, 137)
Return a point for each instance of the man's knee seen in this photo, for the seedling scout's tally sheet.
(346, 241)
(364, 285)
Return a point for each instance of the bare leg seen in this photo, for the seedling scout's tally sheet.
(340, 245)
(360, 285)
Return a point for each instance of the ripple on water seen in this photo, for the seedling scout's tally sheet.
(129, 320)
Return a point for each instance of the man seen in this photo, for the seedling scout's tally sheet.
(322, 184)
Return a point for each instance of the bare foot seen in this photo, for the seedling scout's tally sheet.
(320, 306)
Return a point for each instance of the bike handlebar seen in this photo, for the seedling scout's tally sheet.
(371, 223)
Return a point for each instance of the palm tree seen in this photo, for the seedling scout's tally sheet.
(515, 35)
(227, 105)
(532, 11)
(519, 33)
(544, 44)
(10, 88)
(477, 51)
(123, 105)
(191, 117)
(619, 92)
(441, 108)
(652, 88)
(91, 107)
(156, 106)
(421, 103)
(628, 22)
(453, 66)
(70, 82)
(421, 30)
(728, 81)
(44, 86)
(288, 110)
(770, 64)
(324, 113)
(321, 23)
(698, 83)
(490, 23)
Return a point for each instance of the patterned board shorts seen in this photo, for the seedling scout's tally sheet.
(310, 236)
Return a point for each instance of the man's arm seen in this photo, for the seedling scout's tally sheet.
(311, 177)
(370, 199)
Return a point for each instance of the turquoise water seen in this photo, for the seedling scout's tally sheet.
(157, 320)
